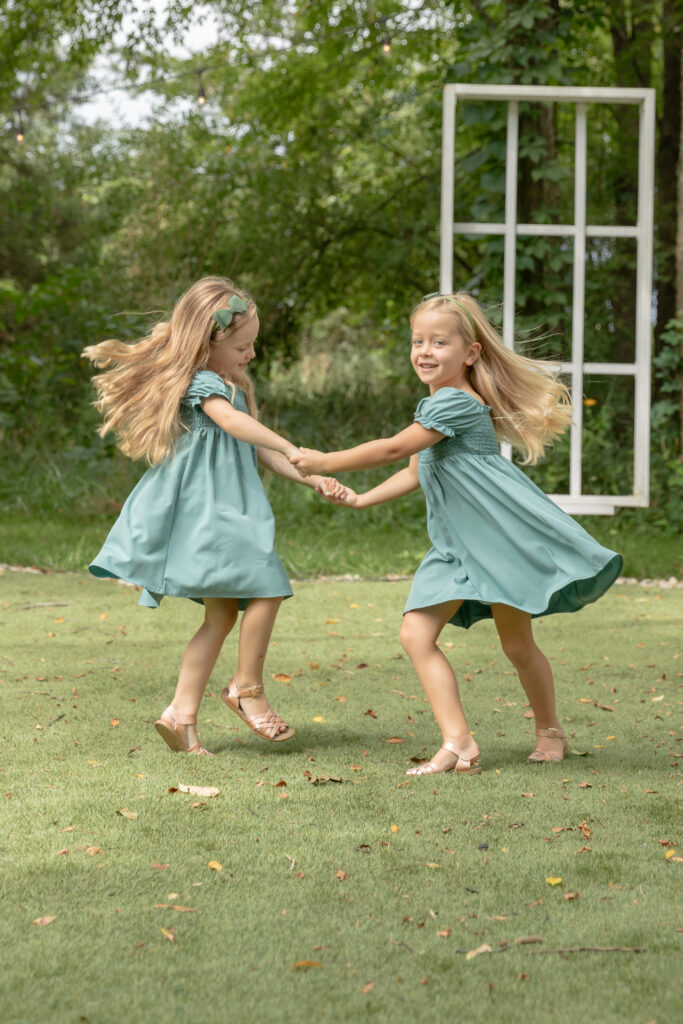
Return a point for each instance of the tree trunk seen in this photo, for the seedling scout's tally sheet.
(668, 301)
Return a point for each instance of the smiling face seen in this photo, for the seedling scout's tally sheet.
(232, 354)
(439, 356)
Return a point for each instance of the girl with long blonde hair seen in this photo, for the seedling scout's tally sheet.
(501, 548)
(198, 524)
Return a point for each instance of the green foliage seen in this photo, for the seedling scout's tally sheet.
(312, 177)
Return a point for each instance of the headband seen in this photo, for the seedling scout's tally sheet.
(451, 298)
(223, 317)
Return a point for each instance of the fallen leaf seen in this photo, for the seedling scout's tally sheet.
(114, 722)
(214, 865)
(370, 985)
(529, 794)
(445, 932)
(280, 783)
(159, 867)
(320, 780)
(342, 700)
(394, 739)
(395, 828)
(553, 881)
(485, 948)
(168, 933)
(431, 864)
(125, 813)
(584, 785)
(572, 895)
(527, 940)
(529, 714)
(341, 875)
(669, 854)
(44, 920)
(604, 707)
(282, 677)
(318, 718)
(69, 828)
(198, 790)
(92, 851)
(306, 963)
(332, 622)
(370, 712)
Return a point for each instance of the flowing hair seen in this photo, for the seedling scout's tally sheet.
(140, 396)
(530, 406)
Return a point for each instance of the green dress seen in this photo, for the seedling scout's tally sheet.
(497, 538)
(198, 524)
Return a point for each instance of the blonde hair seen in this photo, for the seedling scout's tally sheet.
(140, 396)
(530, 406)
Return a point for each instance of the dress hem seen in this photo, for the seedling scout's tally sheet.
(151, 596)
(570, 597)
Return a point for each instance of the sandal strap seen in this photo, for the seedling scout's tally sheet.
(177, 718)
(249, 691)
(553, 733)
(268, 722)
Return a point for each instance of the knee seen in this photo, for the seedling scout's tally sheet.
(411, 636)
(517, 649)
(220, 620)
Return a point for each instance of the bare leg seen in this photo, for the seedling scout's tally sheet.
(419, 632)
(535, 673)
(201, 654)
(255, 632)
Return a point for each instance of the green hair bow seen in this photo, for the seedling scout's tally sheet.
(223, 317)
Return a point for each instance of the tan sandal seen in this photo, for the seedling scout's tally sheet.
(462, 764)
(267, 724)
(171, 726)
(540, 756)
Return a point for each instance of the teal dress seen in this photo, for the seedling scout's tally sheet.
(497, 538)
(199, 523)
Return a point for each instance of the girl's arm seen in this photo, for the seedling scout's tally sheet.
(278, 463)
(395, 486)
(369, 455)
(244, 427)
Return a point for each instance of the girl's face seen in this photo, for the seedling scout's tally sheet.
(233, 354)
(439, 356)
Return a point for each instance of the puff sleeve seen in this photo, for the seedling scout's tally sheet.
(203, 385)
(450, 411)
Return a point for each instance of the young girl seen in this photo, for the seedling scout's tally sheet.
(501, 548)
(198, 524)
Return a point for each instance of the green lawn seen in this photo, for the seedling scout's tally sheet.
(334, 900)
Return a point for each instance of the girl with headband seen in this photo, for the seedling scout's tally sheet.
(198, 524)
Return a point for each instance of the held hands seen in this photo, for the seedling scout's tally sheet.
(336, 493)
(308, 461)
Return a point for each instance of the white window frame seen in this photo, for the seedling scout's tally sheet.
(575, 502)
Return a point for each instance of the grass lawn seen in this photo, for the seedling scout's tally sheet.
(320, 883)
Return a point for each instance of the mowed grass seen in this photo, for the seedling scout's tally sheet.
(334, 900)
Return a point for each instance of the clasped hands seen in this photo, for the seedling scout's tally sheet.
(310, 462)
